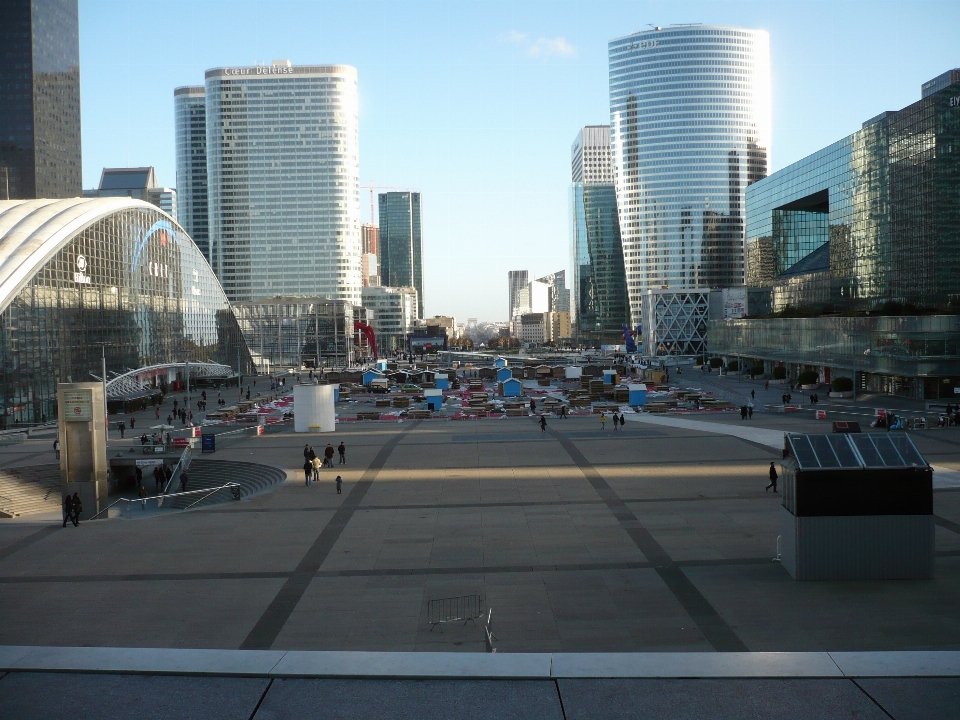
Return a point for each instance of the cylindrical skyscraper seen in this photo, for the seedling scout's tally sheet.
(690, 129)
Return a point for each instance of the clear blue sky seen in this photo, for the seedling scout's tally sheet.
(476, 104)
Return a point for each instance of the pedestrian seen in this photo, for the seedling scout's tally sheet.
(563, 411)
(743, 412)
(307, 471)
(77, 509)
(750, 410)
(315, 463)
(68, 509)
(603, 420)
(766, 385)
(157, 478)
(773, 478)
(533, 405)
(169, 419)
(328, 455)
(339, 485)
(623, 421)
(342, 449)
(753, 394)
(183, 480)
(121, 426)
(56, 447)
(543, 424)
(139, 477)
(143, 497)
(156, 411)
(306, 451)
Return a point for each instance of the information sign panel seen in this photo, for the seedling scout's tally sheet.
(208, 443)
(78, 405)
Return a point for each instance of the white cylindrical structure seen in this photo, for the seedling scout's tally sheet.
(313, 409)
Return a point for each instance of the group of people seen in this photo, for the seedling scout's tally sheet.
(618, 421)
(313, 462)
(746, 411)
(72, 507)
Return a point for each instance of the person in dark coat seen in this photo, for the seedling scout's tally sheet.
(328, 455)
(307, 471)
(342, 449)
(68, 510)
(773, 477)
(77, 509)
(339, 485)
(543, 424)
(183, 481)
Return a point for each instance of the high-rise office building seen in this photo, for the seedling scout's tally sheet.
(690, 130)
(190, 113)
(39, 99)
(283, 168)
(370, 242)
(401, 243)
(137, 183)
(600, 306)
(516, 281)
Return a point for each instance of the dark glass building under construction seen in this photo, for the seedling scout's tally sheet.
(86, 278)
(600, 300)
(853, 255)
(401, 242)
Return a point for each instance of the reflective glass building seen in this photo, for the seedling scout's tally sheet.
(282, 148)
(867, 228)
(690, 130)
(401, 242)
(190, 116)
(117, 276)
(600, 306)
(39, 99)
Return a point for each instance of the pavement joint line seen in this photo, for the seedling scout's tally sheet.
(711, 624)
(478, 665)
(271, 622)
(27, 541)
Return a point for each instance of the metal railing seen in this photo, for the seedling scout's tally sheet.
(182, 464)
(455, 609)
(161, 499)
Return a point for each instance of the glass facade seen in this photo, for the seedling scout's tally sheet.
(401, 242)
(283, 181)
(190, 115)
(128, 280)
(690, 130)
(39, 99)
(293, 332)
(870, 220)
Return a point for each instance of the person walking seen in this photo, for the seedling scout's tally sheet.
(543, 424)
(133, 423)
(306, 452)
(307, 471)
(157, 478)
(750, 410)
(766, 385)
(183, 480)
(603, 420)
(315, 463)
(56, 447)
(121, 426)
(156, 411)
(143, 497)
(328, 455)
(753, 394)
(773, 477)
(68, 509)
(139, 476)
(339, 485)
(77, 509)
(743, 412)
(342, 449)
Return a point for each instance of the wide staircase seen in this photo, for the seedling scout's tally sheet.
(29, 490)
(252, 477)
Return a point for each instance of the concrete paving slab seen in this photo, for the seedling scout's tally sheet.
(771, 438)
(915, 698)
(716, 699)
(416, 665)
(76, 696)
(693, 665)
(406, 700)
(142, 660)
(906, 663)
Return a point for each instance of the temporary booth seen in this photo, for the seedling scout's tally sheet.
(434, 398)
(856, 507)
(370, 375)
(382, 365)
(503, 374)
(313, 408)
(609, 377)
(511, 387)
(500, 362)
(573, 372)
(443, 382)
(637, 395)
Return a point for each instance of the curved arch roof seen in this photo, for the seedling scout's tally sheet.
(33, 231)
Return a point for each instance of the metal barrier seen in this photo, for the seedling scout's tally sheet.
(455, 609)
(161, 499)
(180, 467)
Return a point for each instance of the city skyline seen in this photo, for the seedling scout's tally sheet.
(484, 130)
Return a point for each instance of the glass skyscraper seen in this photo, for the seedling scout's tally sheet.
(39, 99)
(282, 150)
(599, 285)
(690, 130)
(401, 242)
(190, 112)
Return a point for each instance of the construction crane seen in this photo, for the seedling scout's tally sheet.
(371, 188)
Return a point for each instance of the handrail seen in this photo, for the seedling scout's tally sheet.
(182, 464)
(163, 498)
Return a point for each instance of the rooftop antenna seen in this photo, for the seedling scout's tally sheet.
(655, 27)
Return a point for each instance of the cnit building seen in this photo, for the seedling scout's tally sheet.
(854, 256)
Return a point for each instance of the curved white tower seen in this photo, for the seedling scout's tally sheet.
(690, 129)
(283, 171)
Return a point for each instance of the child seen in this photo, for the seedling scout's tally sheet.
(339, 484)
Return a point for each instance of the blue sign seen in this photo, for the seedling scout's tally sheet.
(208, 443)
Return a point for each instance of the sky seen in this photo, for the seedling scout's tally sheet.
(476, 104)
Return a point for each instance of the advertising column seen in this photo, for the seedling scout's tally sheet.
(83, 444)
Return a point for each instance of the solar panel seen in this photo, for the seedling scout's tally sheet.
(842, 450)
